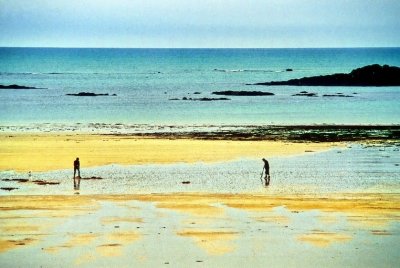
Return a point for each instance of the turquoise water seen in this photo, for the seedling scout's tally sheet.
(145, 79)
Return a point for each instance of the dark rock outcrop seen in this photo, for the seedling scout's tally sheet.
(199, 99)
(312, 94)
(17, 180)
(8, 188)
(92, 178)
(306, 94)
(340, 95)
(210, 99)
(371, 75)
(243, 93)
(17, 87)
(43, 182)
(89, 94)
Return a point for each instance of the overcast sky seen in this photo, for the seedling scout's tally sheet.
(200, 23)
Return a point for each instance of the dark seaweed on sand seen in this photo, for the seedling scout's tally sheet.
(298, 133)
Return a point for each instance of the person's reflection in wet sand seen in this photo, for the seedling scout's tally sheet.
(77, 182)
(77, 179)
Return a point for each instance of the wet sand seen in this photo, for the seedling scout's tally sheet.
(183, 230)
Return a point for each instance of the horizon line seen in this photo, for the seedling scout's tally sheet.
(77, 47)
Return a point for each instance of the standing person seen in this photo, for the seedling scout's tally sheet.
(266, 168)
(77, 167)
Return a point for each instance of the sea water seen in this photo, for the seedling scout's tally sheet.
(145, 81)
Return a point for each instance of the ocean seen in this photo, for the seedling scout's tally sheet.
(149, 87)
(145, 81)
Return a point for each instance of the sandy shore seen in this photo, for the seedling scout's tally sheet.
(43, 152)
(184, 229)
(211, 230)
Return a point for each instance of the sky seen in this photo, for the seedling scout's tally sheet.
(200, 23)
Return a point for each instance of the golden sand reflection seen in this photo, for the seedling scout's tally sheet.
(75, 240)
(22, 232)
(202, 210)
(273, 219)
(110, 250)
(32, 218)
(115, 242)
(323, 239)
(20, 227)
(48, 203)
(199, 221)
(214, 242)
(9, 244)
(360, 209)
(26, 220)
(109, 220)
(124, 237)
(198, 205)
(363, 208)
(372, 221)
(328, 218)
(85, 258)
(253, 205)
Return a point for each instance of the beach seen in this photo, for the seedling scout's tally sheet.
(168, 217)
(43, 152)
(171, 142)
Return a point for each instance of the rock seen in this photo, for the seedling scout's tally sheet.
(42, 182)
(243, 93)
(200, 99)
(337, 95)
(17, 180)
(92, 178)
(306, 94)
(87, 94)
(17, 87)
(8, 188)
(371, 75)
(210, 99)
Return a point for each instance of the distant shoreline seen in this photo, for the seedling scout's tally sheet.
(199, 48)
